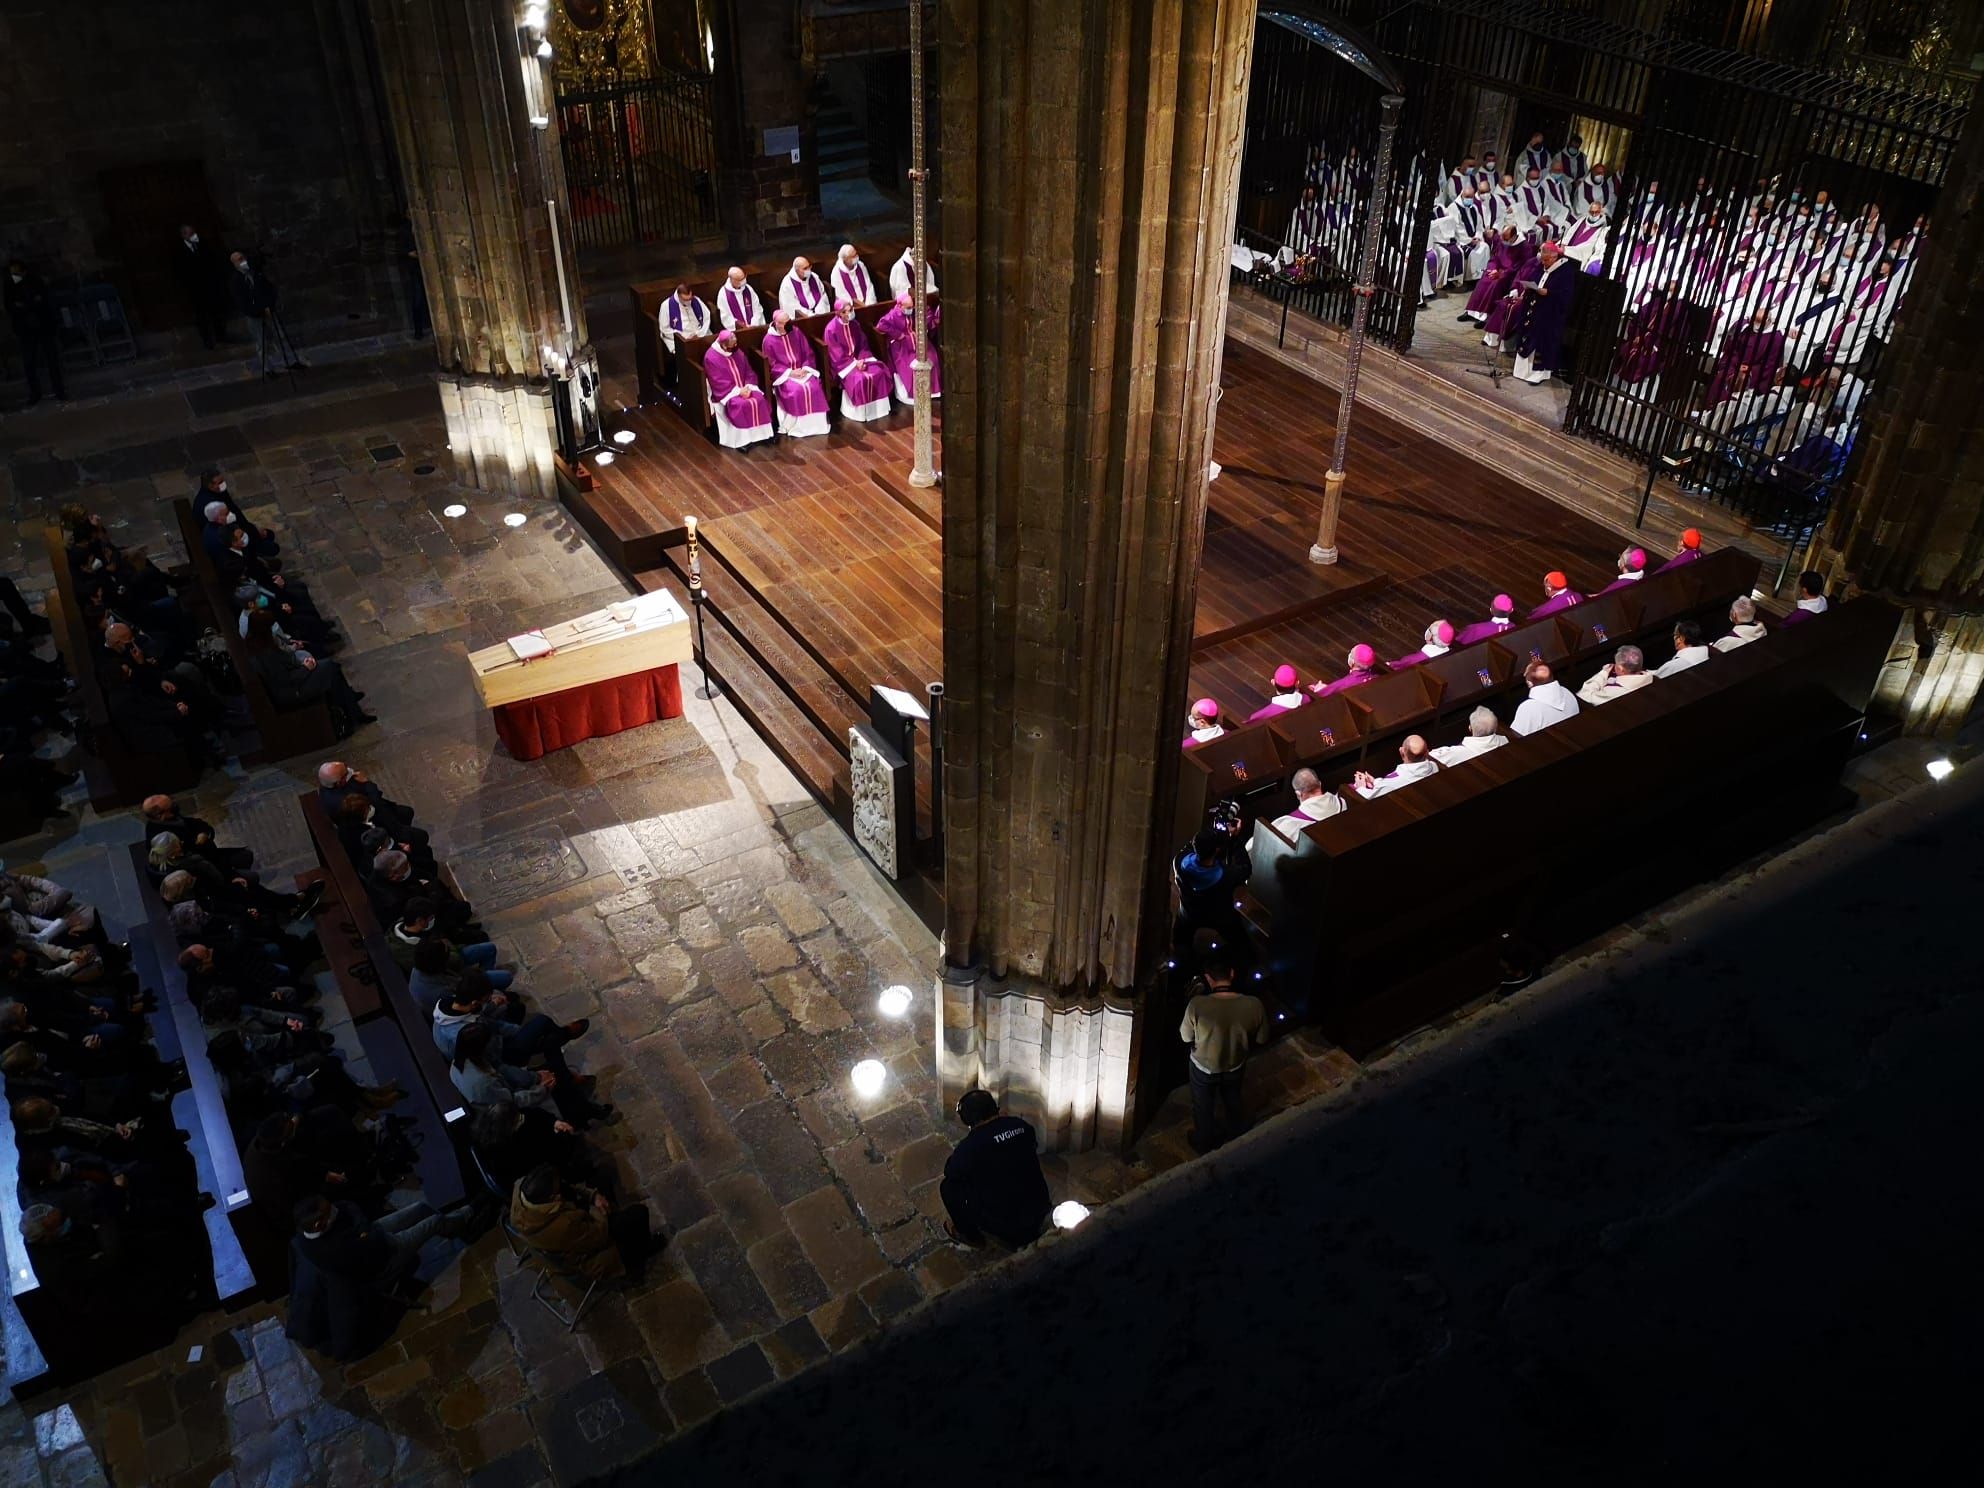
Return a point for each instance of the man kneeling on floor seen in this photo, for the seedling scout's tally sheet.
(993, 1187)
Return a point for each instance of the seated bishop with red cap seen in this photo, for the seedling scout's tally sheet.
(1557, 595)
(1689, 549)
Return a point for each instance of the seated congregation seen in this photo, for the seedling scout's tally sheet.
(786, 363)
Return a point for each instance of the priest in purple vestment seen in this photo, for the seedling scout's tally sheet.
(1438, 641)
(850, 277)
(737, 304)
(1501, 616)
(1656, 336)
(1557, 595)
(1506, 255)
(683, 314)
(796, 385)
(1632, 568)
(1287, 695)
(1750, 359)
(1687, 551)
(1509, 305)
(1537, 332)
(743, 414)
(1364, 666)
(898, 329)
(864, 381)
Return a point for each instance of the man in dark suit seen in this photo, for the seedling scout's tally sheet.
(202, 273)
(32, 314)
(260, 302)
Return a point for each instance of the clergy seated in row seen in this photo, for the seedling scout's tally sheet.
(1202, 723)
(1549, 700)
(1632, 568)
(1744, 627)
(1484, 732)
(1288, 694)
(902, 274)
(850, 279)
(864, 381)
(1557, 595)
(1811, 598)
(898, 329)
(1363, 665)
(1415, 762)
(1312, 803)
(1625, 673)
(743, 414)
(1584, 244)
(1501, 616)
(737, 304)
(1438, 641)
(796, 386)
(1686, 551)
(683, 314)
(1688, 650)
(1507, 255)
(800, 292)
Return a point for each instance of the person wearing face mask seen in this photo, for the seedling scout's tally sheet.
(32, 315)
(213, 487)
(202, 273)
(260, 303)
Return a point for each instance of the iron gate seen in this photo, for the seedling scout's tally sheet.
(640, 161)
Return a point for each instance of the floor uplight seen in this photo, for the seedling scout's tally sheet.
(869, 1077)
(894, 1002)
(1069, 1213)
(1939, 769)
(624, 437)
(454, 509)
(604, 457)
(515, 519)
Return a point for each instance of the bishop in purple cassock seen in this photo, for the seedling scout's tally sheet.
(864, 381)
(743, 415)
(796, 385)
(1559, 595)
(1505, 310)
(1537, 332)
(1689, 551)
(1750, 359)
(1506, 255)
(898, 329)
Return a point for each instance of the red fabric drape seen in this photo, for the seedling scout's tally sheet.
(535, 727)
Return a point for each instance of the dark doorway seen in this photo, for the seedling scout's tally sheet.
(145, 204)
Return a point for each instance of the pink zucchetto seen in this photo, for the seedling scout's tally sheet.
(1503, 605)
(1205, 708)
(843, 304)
(1443, 633)
(1636, 558)
(1284, 677)
(1363, 657)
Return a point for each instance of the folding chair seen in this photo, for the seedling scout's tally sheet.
(543, 1289)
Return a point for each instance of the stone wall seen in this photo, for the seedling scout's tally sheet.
(761, 85)
(273, 103)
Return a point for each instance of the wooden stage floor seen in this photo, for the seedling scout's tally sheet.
(826, 568)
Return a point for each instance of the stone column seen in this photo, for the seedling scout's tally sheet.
(760, 85)
(1090, 156)
(486, 190)
(1910, 524)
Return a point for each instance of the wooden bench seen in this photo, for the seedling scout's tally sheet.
(1398, 910)
(247, 1245)
(398, 1034)
(114, 772)
(283, 732)
(1363, 726)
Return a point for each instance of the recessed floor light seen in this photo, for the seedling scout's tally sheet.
(624, 437)
(869, 1077)
(604, 457)
(1939, 769)
(515, 519)
(894, 1002)
(454, 509)
(1069, 1213)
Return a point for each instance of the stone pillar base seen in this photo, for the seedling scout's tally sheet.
(503, 432)
(1061, 1062)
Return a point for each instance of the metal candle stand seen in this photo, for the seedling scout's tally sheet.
(696, 599)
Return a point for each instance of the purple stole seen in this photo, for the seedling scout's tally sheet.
(675, 315)
(808, 292)
(1482, 630)
(740, 305)
(1583, 232)
(1533, 201)
(857, 284)
(1537, 156)
(1680, 559)
(1470, 216)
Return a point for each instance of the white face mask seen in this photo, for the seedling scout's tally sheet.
(15, 277)
(194, 241)
(221, 489)
(230, 519)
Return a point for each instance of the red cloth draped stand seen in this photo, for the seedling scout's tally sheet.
(536, 726)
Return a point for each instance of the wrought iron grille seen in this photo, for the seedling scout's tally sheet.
(640, 161)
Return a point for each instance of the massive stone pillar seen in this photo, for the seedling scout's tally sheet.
(764, 114)
(473, 115)
(1090, 154)
(1911, 524)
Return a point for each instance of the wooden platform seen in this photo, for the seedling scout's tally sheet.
(824, 568)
